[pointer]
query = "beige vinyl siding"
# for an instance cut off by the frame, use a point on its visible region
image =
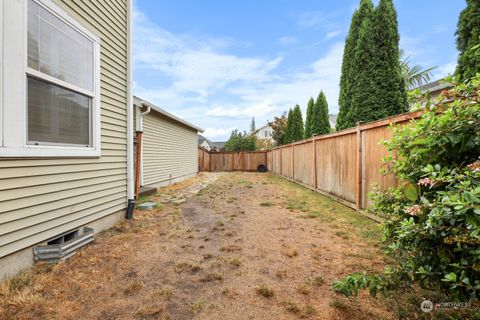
(169, 149)
(42, 198)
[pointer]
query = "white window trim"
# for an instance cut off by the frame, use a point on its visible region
(13, 105)
(1, 73)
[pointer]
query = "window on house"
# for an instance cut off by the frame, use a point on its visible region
(60, 76)
(57, 94)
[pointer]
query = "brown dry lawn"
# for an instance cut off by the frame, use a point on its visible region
(248, 246)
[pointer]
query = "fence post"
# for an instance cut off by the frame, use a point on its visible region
(358, 198)
(209, 162)
(280, 160)
(293, 162)
(315, 184)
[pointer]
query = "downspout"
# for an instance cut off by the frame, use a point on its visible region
(130, 174)
(139, 125)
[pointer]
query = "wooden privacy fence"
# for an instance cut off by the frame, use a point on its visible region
(346, 164)
(230, 161)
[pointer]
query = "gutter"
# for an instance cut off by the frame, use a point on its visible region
(130, 173)
(139, 131)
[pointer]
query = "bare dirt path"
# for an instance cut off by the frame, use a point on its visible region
(224, 246)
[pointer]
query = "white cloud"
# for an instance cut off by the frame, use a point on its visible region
(287, 41)
(198, 79)
(296, 88)
(317, 19)
(258, 110)
(444, 70)
(195, 66)
(333, 34)
(212, 133)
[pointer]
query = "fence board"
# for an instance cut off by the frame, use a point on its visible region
(231, 161)
(336, 163)
(348, 163)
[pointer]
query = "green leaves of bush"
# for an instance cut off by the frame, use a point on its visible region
(432, 228)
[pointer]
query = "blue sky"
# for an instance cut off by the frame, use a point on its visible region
(219, 63)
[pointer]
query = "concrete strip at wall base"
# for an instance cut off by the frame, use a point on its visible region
(22, 260)
(169, 182)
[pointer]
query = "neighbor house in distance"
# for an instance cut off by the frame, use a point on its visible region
(204, 143)
(264, 133)
(435, 88)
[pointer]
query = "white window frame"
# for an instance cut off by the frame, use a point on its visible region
(13, 102)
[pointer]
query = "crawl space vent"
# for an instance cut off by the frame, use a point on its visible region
(63, 247)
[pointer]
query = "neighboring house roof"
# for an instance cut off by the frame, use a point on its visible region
(143, 103)
(435, 86)
(333, 119)
(219, 144)
(202, 139)
(265, 126)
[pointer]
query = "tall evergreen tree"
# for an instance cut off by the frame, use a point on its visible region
(297, 131)
(324, 116)
(321, 123)
(379, 87)
(288, 131)
(365, 11)
(309, 120)
(468, 41)
(252, 125)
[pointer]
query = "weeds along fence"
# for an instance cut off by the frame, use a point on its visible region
(230, 161)
(345, 165)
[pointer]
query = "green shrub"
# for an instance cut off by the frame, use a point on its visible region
(432, 228)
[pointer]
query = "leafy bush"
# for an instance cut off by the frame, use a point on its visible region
(432, 228)
(241, 142)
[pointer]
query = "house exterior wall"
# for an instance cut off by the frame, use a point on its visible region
(265, 133)
(170, 150)
(44, 197)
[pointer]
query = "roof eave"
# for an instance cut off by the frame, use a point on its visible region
(140, 103)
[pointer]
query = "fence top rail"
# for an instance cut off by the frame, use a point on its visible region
(233, 152)
(362, 127)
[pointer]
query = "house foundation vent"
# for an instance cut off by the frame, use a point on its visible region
(63, 247)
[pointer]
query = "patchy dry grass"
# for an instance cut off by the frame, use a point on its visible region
(187, 267)
(275, 252)
(326, 210)
(264, 291)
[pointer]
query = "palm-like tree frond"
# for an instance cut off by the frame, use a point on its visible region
(415, 75)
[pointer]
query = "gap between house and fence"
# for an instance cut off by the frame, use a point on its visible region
(344, 165)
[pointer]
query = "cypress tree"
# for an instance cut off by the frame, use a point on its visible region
(309, 120)
(323, 115)
(321, 119)
(391, 94)
(365, 11)
(379, 88)
(288, 132)
(468, 41)
(252, 125)
(316, 115)
(297, 131)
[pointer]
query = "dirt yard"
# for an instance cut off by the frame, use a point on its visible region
(220, 246)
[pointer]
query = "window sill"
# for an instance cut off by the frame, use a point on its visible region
(49, 152)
